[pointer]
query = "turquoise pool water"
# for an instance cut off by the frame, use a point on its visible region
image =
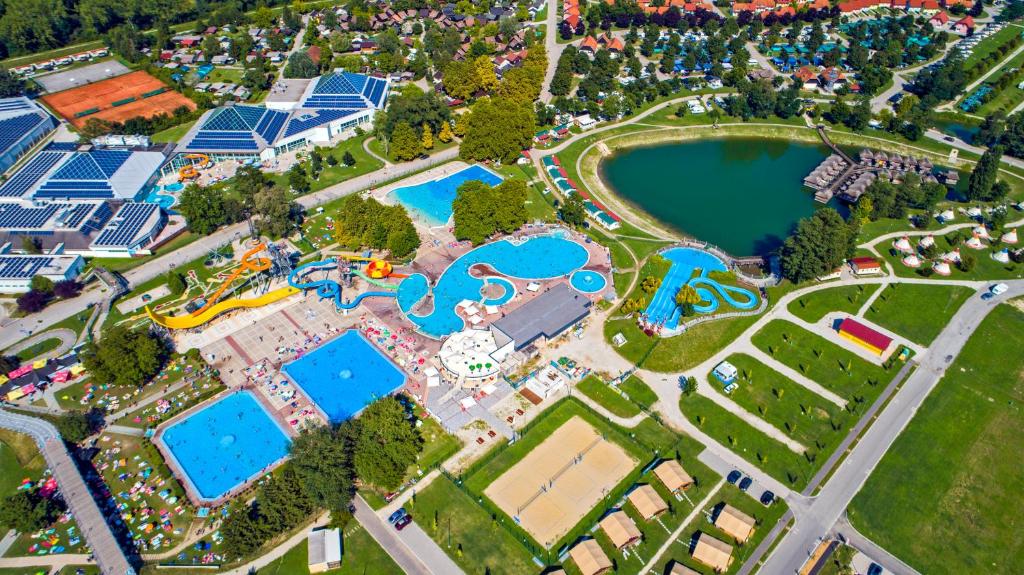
(540, 257)
(175, 187)
(163, 200)
(345, 375)
(506, 296)
(226, 444)
(432, 201)
(588, 281)
(663, 308)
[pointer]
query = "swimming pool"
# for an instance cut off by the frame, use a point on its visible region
(225, 444)
(344, 375)
(506, 295)
(432, 201)
(539, 257)
(663, 308)
(175, 187)
(588, 281)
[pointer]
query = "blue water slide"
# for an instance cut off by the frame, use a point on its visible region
(328, 288)
(748, 299)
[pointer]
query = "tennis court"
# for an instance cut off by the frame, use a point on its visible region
(117, 99)
(560, 480)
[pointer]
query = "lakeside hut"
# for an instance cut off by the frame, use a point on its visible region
(951, 178)
(712, 552)
(1002, 256)
(866, 156)
(942, 268)
(647, 502)
(735, 523)
(1009, 237)
(620, 529)
(589, 558)
(903, 245)
(912, 261)
(925, 164)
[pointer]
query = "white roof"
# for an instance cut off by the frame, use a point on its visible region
(324, 546)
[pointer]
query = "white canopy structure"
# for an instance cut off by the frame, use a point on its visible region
(903, 245)
(927, 241)
(942, 268)
(912, 261)
(975, 243)
(974, 212)
(1010, 237)
(981, 232)
(947, 216)
(1002, 256)
(953, 256)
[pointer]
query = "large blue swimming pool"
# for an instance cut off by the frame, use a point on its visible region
(663, 308)
(540, 257)
(226, 444)
(432, 201)
(345, 375)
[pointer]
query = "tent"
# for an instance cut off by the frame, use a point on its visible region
(980, 232)
(680, 569)
(903, 244)
(975, 243)
(589, 558)
(620, 529)
(712, 552)
(735, 523)
(912, 261)
(947, 216)
(942, 268)
(927, 241)
(647, 502)
(1002, 256)
(672, 475)
(953, 256)
(1010, 237)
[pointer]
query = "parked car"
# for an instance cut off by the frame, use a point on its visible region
(767, 498)
(734, 476)
(398, 515)
(401, 523)
(999, 289)
(745, 483)
(875, 569)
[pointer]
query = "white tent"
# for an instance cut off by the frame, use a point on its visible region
(953, 256)
(912, 261)
(903, 244)
(1010, 237)
(947, 216)
(974, 212)
(975, 243)
(1002, 256)
(981, 232)
(941, 268)
(927, 241)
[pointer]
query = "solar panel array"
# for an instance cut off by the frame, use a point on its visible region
(320, 102)
(126, 225)
(250, 114)
(100, 217)
(17, 217)
(26, 177)
(344, 83)
(205, 140)
(270, 125)
(305, 122)
(13, 104)
(74, 189)
(374, 91)
(22, 267)
(110, 160)
(61, 146)
(14, 129)
(226, 119)
(80, 167)
(74, 216)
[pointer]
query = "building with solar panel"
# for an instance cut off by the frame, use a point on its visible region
(22, 124)
(17, 271)
(328, 109)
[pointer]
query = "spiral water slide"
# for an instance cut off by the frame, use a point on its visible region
(328, 288)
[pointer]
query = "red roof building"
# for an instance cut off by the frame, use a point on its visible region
(964, 26)
(939, 20)
(865, 265)
(864, 336)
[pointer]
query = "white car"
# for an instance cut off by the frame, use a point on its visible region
(999, 289)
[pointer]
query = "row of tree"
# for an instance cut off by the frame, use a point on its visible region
(367, 223)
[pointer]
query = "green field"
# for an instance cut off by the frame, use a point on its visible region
(946, 496)
(361, 555)
(173, 134)
(69, 570)
(915, 311)
(19, 458)
(990, 44)
(838, 370)
(816, 305)
(606, 397)
(679, 353)
(38, 349)
(639, 392)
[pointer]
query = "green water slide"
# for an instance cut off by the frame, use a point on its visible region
(371, 281)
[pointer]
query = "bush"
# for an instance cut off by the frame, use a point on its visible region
(33, 301)
(65, 289)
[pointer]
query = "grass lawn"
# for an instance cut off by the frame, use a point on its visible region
(330, 175)
(360, 555)
(639, 392)
(69, 570)
(985, 267)
(173, 134)
(990, 44)
(607, 397)
(438, 444)
(19, 458)
(841, 371)
(818, 424)
(477, 543)
(953, 476)
(816, 305)
(765, 518)
(700, 342)
(38, 349)
(916, 311)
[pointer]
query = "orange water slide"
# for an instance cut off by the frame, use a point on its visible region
(248, 264)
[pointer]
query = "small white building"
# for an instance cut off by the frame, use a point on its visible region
(17, 271)
(585, 122)
(324, 546)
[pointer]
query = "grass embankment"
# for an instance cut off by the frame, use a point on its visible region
(946, 495)
(816, 305)
(915, 311)
(606, 397)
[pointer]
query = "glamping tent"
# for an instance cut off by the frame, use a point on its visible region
(941, 268)
(589, 558)
(647, 502)
(947, 216)
(1002, 256)
(975, 243)
(620, 529)
(735, 523)
(981, 232)
(672, 476)
(912, 261)
(712, 552)
(1010, 237)
(903, 245)
(927, 241)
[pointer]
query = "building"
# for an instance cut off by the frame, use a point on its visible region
(964, 26)
(17, 271)
(672, 476)
(725, 372)
(22, 124)
(712, 552)
(589, 558)
(647, 502)
(680, 569)
(865, 266)
(735, 523)
(324, 546)
(862, 335)
(472, 358)
(620, 529)
(939, 20)
(544, 317)
(303, 113)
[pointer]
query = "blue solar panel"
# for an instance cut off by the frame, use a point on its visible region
(250, 115)
(110, 160)
(225, 119)
(301, 123)
(26, 177)
(15, 217)
(14, 129)
(344, 83)
(73, 217)
(377, 92)
(80, 167)
(270, 125)
(61, 146)
(126, 225)
(10, 104)
(22, 267)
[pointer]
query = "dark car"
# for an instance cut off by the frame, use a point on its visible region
(734, 476)
(397, 515)
(874, 569)
(949, 138)
(767, 498)
(745, 483)
(987, 296)
(423, 156)
(401, 523)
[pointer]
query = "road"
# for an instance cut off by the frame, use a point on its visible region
(413, 550)
(933, 134)
(17, 329)
(109, 557)
(830, 504)
(553, 48)
(67, 341)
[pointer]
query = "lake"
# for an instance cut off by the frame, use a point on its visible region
(742, 194)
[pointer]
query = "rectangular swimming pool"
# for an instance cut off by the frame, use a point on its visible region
(225, 444)
(344, 375)
(432, 201)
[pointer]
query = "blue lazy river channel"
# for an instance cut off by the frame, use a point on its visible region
(663, 308)
(225, 444)
(538, 258)
(432, 201)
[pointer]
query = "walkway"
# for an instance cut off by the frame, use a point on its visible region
(67, 339)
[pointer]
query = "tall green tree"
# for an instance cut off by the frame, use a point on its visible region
(203, 208)
(10, 85)
(481, 211)
(498, 129)
(983, 177)
(322, 459)
(388, 444)
(300, 65)
(819, 245)
(125, 358)
(405, 144)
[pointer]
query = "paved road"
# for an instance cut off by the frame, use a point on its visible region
(846, 532)
(819, 518)
(553, 48)
(414, 551)
(933, 134)
(109, 556)
(67, 339)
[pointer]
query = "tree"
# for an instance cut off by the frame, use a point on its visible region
(297, 180)
(203, 208)
(300, 65)
(32, 301)
(983, 177)
(41, 284)
(175, 283)
(367, 223)
(486, 79)
(387, 444)
(460, 79)
(404, 143)
(74, 426)
(322, 458)
(428, 138)
(31, 245)
(66, 289)
(480, 211)
(445, 135)
(687, 295)
(126, 358)
(94, 128)
(572, 210)
(820, 244)
(277, 214)
(498, 129)
(347, 158)
(10, 85)
(28, 512)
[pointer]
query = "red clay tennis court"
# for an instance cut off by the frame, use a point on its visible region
(117, 99)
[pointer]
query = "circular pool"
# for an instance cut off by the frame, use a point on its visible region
(588, 281)
(508, 291)
(175, 187)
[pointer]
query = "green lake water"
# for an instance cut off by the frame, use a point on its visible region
(742, 194)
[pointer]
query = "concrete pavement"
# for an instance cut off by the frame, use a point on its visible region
(67, 341)
(411, 548)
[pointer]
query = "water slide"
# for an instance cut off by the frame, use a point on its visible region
(248, 263)
(707, 293)
(373, 282)
(328, 288)
(196, 320)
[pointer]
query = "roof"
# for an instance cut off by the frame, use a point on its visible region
(589, 557)
(712, 552)
(647, 501)
(93, 173)
(129, 226)
(546, 315)
(324, 546)
(18, 118)
(620, 529)
(864, 333)
(672, 475)
(20, 267)
(965, 21)
(865, 263)
(680, 569)
(735, 523)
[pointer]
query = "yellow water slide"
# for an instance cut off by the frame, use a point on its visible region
(196, 320)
